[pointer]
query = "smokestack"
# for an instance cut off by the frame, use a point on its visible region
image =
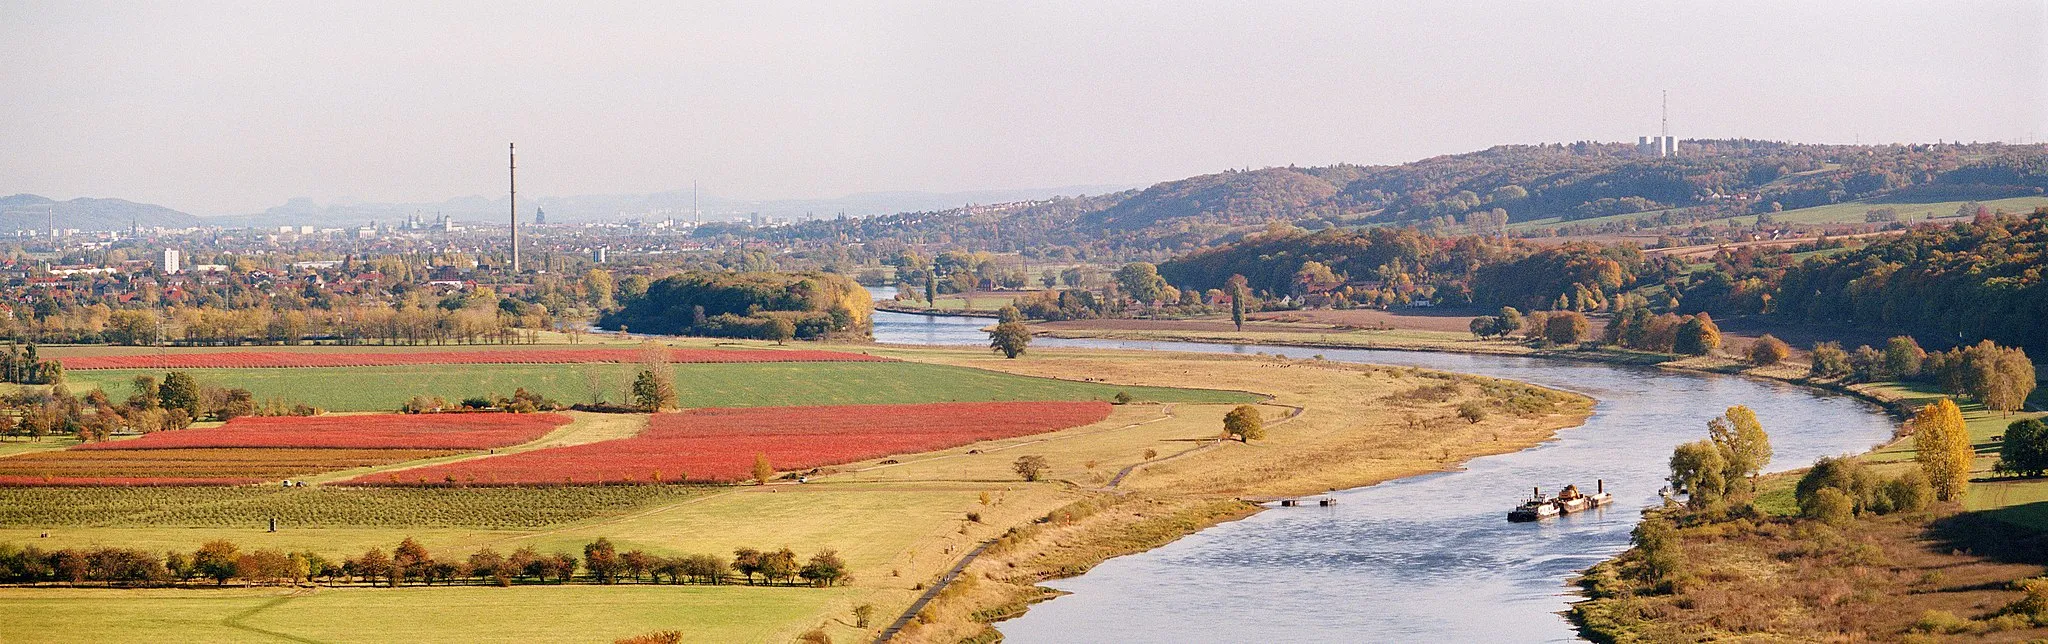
(512, 167)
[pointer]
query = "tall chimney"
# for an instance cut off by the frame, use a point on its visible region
(512, 163)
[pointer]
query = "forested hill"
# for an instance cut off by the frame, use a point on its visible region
(1982, 279)
(31, 212)
(1946, 283)
(1565, 182)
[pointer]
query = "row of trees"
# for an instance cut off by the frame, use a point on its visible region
(477, 317)
(1999, 377)
(221, 561)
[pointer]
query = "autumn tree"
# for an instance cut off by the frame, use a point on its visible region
(653, 390)
(216, 560)
(1240, 289)
(1030, 468)
(601, 559)
(1942, 446)
(1768, 350)
(1745, 447)
(1141, 281)
(148, 395)
(1699, 472)
(1903, 356)
(762, 470)
(181, 391)
(1829, 360)
(780, 565)
(781, 329)
(1564, 327)
(824, 569)
(1010, 336)
(1697, 336)
(1245, 424)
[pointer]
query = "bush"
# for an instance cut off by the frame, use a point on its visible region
(1830, 506)
(1941, 621)
(1768, 350)
(1472, 412)
(1910, 492)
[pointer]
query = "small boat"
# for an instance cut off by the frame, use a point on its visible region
(1539, 507)
(1572, 500)
(1535, 509)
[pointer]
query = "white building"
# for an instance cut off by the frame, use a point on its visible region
(173, 261)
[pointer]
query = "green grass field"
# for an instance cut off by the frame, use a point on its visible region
(699, 385)
(471, 614)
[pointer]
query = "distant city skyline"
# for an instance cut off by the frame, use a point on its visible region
(234, 108)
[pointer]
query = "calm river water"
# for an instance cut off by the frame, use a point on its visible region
(1428, 558)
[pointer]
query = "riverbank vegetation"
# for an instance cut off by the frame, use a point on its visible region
(1920, 540)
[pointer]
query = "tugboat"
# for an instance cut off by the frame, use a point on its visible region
(1539, 507)
(1536, 508)
(1571, 500)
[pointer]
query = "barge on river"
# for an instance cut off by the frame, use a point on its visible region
(1570, 500)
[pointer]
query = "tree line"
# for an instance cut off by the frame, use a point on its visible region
(220, 561)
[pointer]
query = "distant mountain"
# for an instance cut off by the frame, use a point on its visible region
(32, 212)
(582, 208)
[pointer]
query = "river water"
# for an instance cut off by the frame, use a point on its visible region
(1427, 558)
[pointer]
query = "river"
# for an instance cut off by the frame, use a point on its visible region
(1426, 558)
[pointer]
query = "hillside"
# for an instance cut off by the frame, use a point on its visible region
(32, 212)
(1555, 184)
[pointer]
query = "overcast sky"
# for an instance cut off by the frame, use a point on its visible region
(232, 108)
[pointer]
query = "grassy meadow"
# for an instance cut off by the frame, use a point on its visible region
(697, 385)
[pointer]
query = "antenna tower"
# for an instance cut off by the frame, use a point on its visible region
(512, 181)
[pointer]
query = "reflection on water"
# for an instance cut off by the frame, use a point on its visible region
(1430, 557)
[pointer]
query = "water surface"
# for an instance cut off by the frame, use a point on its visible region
(1428, 558)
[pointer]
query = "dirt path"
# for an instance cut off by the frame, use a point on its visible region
(1293, 413)
(584, 427)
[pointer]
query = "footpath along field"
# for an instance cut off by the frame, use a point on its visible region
(719, 444)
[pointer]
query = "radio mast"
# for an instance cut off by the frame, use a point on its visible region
(512, 168)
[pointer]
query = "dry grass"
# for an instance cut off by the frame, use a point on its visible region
(1361, 424)
(1791, 580)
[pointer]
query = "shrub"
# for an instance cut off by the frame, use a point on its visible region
(1910, 492)
(1941, 621)
(1768, 350)
(1830, 506)
(1472, 412)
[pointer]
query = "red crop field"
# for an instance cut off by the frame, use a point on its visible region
(364, 431)
(286, 359)
(719, 444)
(190, 466)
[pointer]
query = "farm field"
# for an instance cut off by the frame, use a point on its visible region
(697, 385)
(706, 614)
(897, 527)
(548, 355)
(191, 466)
(718, 444)
(454, 431)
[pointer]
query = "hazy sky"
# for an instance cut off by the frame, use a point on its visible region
(231, 108)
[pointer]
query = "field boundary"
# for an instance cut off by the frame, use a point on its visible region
(931, 593)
